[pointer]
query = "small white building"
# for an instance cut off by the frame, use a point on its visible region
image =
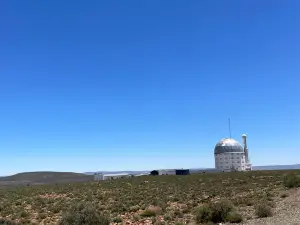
(140, 175)
(101, 176)
(98, 176)
(231, 156)
(167, 172)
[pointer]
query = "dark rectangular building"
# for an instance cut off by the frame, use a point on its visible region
(182, 172)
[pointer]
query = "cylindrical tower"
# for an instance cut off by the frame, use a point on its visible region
(244, 136)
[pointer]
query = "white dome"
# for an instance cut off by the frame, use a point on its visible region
(228, 145)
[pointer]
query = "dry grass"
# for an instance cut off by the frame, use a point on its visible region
(144, 200)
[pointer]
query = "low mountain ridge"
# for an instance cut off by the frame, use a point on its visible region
(277, 167)
(114, 172)
(44, 177)
(50, 177)
(208, 170)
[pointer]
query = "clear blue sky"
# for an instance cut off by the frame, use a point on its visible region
(118, 85)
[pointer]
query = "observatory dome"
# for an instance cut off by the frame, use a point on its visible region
(227, 145)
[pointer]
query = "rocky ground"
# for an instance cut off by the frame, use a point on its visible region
(286, 212)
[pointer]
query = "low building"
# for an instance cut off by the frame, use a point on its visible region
(139, 175)
(154, 173)
(98, 176)
(182, 172)
(167, 172)
(101, 176)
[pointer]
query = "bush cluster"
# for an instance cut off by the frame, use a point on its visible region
(148, 213)
(291, 181)
(7, 222)
(222, 211)
(263, 210)
(83, 213)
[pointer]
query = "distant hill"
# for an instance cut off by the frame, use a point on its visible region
(48, 177)
(270, 167)
(112, 172)
(277, 167)
(209, 170)
(44, 177)
(144, 171)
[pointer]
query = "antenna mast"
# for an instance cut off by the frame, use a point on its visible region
(229, 128)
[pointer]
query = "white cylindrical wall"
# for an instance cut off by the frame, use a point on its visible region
(227, 161)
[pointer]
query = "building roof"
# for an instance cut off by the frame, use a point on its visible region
(142, 174)
(227, 145)
(116, 174)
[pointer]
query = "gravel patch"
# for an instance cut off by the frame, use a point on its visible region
(286, 212)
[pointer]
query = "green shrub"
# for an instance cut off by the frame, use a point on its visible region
(83, 213)
(234, 217)
(167, 217)
(218, 212)
(136, 217)
(291, 181)
(23, 214)
(203, 214)
(263, 210)
(7, 222)
(118, 220)
(148, 213)
(134, 208)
